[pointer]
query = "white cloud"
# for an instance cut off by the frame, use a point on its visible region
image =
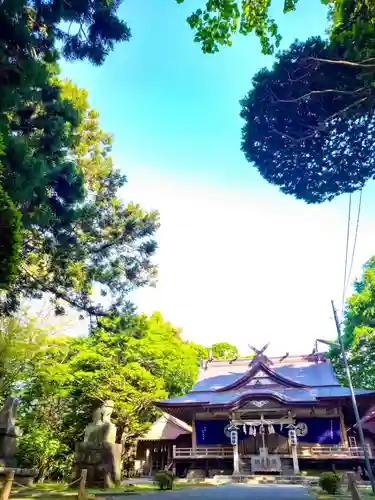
(246, 267)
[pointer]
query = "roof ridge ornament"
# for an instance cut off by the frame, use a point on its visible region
(259, 356)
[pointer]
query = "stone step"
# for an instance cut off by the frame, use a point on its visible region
(265, 479)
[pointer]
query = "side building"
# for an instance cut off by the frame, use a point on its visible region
(268, 415)
(155, 448)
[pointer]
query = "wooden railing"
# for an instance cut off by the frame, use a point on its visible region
(303, 452)
(210, 452)
(333, 451)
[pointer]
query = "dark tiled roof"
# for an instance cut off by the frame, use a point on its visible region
(298, 379)
(220, 374)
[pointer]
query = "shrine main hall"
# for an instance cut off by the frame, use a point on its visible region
(267, 415)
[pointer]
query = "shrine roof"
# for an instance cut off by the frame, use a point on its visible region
(303, 370)
(286, 395)
(290, 380)
(166, 427)
(228, 397)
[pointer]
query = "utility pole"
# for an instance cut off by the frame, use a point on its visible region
(354, 401)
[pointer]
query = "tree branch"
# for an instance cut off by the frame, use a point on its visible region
(343, 62)
(48, 288)
(110, 244)
(318, 92)
(352, 105)
(319, 127)
(291, 138)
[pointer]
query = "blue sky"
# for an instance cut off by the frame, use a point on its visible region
(238, 260)
(174, 108)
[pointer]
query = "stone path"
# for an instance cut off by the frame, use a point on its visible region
(234, 492)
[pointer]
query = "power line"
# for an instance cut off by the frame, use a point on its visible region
(355, 240)
(346, 253)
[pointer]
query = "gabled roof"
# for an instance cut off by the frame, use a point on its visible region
(297, 371)
(292, 380)
(168, 428)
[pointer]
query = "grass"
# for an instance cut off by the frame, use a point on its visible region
(341, 495)
(48, 491)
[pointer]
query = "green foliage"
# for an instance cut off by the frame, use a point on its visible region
(20, 342)
(215, 25)
(164, 480)
(40, 181)
(10, 240)
(202, 352)
(60, 380)
(219, 20)
(330, 482)
(224, 350)
(358, 332)
(41, 449)
(99, 240)
(308, 123)
(309, 120)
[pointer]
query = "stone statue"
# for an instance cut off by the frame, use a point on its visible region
(101, 429)
(91, 431)
(99, 453)
(8, 418)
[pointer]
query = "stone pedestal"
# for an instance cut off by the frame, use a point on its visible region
(99, 453)
(9, 433)
(8, 450)
(102, 461)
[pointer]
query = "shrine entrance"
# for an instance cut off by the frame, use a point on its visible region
(251, 445)
(260, 451)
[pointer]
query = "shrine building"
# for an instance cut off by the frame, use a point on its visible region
(268, 415)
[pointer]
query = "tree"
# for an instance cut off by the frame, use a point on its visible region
(39, 183)
(224, 350)
(358, 332)
(42, 449)
(10, 240)
(219, 20)
(202, 352)
(308, 122)
(98, 240)
(133, 360)
(157, 346)
(20, 342)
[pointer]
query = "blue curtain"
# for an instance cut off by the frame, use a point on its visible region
(311, 430)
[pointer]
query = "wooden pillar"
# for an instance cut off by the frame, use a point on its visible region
(344, 435)
(236, 455)
(353, 486)
(236, 459)
(9, 477)
(82, 485)
(151, 462)
(193, 437)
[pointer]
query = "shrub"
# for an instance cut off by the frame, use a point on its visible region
(41, 449)
(164, 480)
(10, 239)
(330, 482)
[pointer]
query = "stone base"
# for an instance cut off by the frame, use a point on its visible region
(102, 461)
(8, 451)
(21, 476)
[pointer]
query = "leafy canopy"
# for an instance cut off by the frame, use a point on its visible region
(359, 332)
(218, 21)
(101, 240)
(309, 125)
(60, 380)
(224, 350)
(40, 185)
